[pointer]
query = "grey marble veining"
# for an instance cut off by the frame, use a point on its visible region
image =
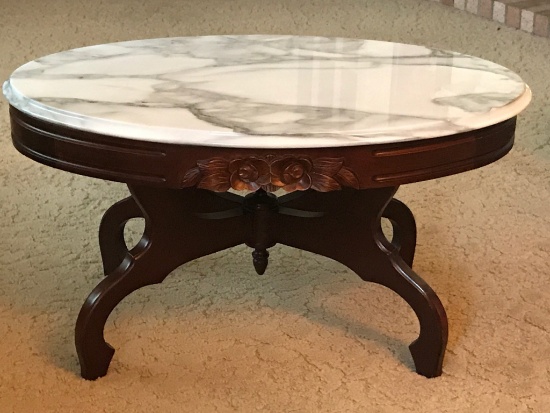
(267, 91)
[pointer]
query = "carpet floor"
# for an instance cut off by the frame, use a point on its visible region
(309, 336)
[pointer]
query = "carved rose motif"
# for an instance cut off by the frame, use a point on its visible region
(249, 174)
(291, 173)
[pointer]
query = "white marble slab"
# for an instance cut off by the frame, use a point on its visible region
(267, 91)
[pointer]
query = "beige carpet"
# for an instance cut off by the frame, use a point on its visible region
(309, 336)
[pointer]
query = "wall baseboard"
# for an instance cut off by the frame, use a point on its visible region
(532, 16)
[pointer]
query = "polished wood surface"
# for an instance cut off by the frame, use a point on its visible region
(182, 225)
(337, 198)
(168, 165)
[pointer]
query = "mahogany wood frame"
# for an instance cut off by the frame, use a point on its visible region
(184, 222)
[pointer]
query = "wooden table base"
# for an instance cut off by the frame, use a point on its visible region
(184, 224)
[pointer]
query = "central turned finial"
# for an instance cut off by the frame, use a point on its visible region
(260, 207)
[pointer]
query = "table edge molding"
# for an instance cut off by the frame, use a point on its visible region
(172, 166)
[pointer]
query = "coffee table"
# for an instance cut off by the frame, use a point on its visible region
(337, 124)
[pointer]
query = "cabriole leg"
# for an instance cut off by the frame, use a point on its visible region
(350, 232)
(174, 234)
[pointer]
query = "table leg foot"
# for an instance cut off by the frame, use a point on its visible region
(174, 234)
(350, 232)
(100, 365)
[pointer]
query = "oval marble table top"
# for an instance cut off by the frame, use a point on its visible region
(267, 91)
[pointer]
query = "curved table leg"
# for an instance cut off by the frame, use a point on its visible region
(111, 232)
(350, 232)
(93, 352)
(393, 272)
(173, 235)
(404, 229)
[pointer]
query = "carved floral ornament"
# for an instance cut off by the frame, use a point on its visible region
(271, 173)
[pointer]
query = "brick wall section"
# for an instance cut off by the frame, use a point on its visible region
(532, 16)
